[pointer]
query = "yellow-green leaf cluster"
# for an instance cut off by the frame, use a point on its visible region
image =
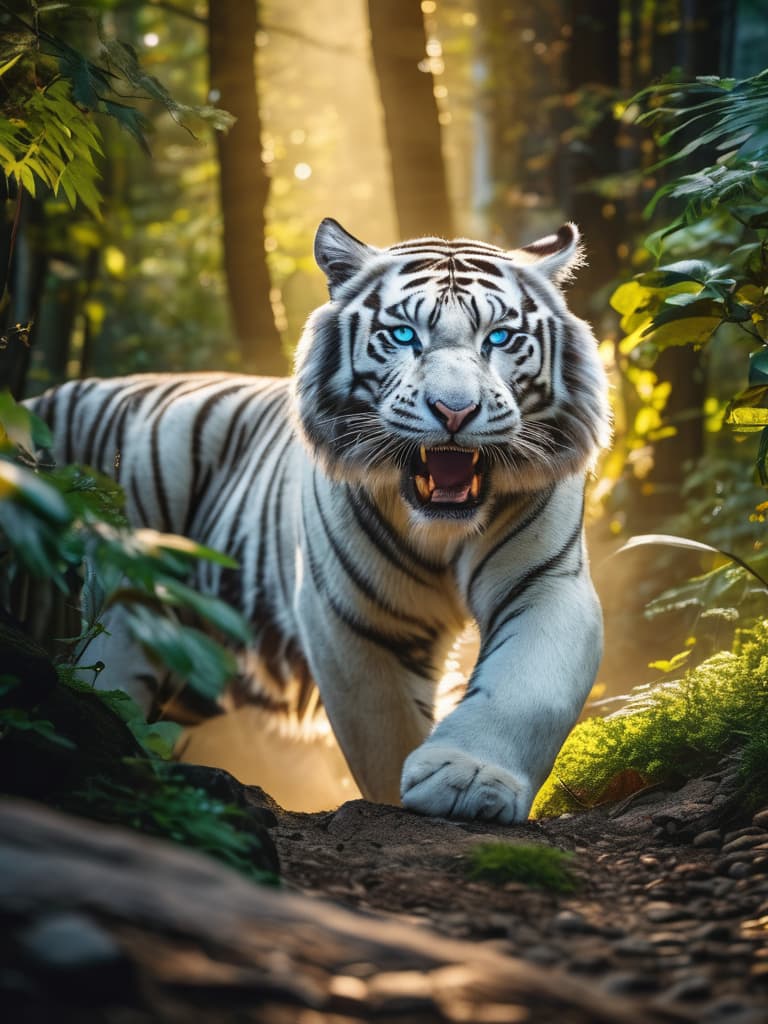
(52, 142)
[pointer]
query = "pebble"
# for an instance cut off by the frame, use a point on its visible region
(694, 986)
(750, 830)
(629, 983)
(711, 837)
(744, 842)
(593, 961)
(739, 869)
(661, 912)
(648, 860)
(713, 931)
(573, 921)
(543, 955)
(65, 942)
(634, 947)
(760, 820)
(666, 939)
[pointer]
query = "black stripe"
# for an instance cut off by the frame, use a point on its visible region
(354, 573)
(162, 403)
(271, 518)
(485, 267)
(232, 472)
(143, 517)
(542, 500)
(413, 652)
(196, 486)
(234, 422)
(502, 615)
(383, 539)
(285, 589)
(79, 422)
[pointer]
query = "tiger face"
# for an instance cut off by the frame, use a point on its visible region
(451, 371)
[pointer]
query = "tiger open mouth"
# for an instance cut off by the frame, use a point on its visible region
(447, 478)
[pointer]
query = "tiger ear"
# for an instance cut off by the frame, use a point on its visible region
(338, 254)
(557, 256)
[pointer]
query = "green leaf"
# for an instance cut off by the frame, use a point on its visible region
(23, 721)
(214, 611)
(672, 273)
(758, 367)
(26, 487)
(190, 654)
(154, 540)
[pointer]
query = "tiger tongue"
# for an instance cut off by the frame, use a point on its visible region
(450, 469)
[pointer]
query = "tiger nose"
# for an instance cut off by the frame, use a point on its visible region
(453, 419)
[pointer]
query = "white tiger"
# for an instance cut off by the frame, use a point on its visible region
(425, 466)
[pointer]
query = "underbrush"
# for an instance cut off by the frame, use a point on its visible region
(670, 732)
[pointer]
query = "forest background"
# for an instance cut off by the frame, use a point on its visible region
(172, 237)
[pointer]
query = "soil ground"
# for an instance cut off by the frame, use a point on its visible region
(668, 921)
(667, 909)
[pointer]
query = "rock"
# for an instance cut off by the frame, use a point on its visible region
(73, 957)
(573, 921)
(744, 842)
(739, 869)
(760, 820)
(694, 986)
(710, 837)
(629, 983)
(634, 946)
(64, 942)
(661, 912)
(713, 931)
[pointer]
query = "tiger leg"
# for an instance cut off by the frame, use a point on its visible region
(378, 710)
(488, 758)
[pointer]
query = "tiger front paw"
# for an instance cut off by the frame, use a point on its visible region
(446, 782)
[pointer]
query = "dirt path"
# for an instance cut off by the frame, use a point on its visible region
(668, 922)
(670, 914)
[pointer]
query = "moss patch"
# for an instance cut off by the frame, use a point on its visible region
(670, 732)
(532, 864)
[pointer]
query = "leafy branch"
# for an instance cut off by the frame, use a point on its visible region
(685, 301)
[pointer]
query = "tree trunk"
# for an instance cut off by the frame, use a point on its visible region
(398, 42)
(22, 269)
(700, 47)
(244, 186)
(593, 64)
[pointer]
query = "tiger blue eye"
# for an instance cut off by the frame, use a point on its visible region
(403, 335)
(499, 336)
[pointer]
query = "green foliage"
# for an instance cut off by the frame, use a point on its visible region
(66, 525)
(712, 273)
(667, 732)
(47, 132)
(163, 804)
(22, 719)
(90, 751)
(157, 739)
(543, 866)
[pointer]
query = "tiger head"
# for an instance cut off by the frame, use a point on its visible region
(451, 371)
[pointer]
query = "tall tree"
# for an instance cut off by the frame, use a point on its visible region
(398, 42)
(700, 46)
(244, 185)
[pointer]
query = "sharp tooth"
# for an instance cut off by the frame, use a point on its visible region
(475, 457)
(422, 486)
(423, 454)
(431, 484)
(475, 486)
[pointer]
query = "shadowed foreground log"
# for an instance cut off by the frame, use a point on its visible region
(101, 924)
